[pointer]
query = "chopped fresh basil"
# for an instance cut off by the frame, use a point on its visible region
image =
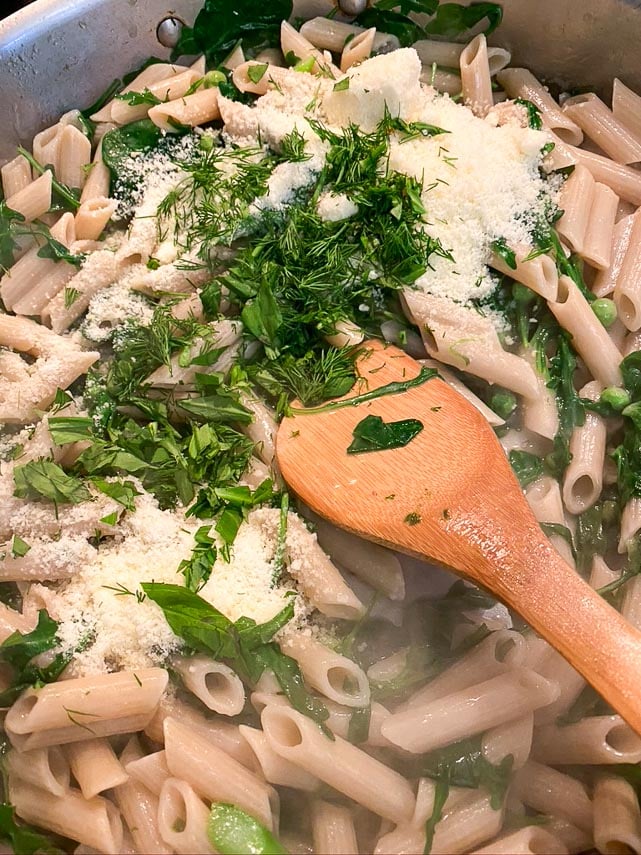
(527, 467)
(43, 479)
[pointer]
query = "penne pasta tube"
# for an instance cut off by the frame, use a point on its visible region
(557, 670)
(525, 841)
(95, 766)
(214, 774)
(597, 244)
(95, 822)
(333, 829)
(34, 199)
(625, 108)
(511, 739)
(12, 621)
(448, 54)
(92, 216)
(104, 703)
(574, 839)
(624, 180)
(258, 77)
(169, 88)
(15, 175)
(139, 808)
(576, 201)
(549, 791)
(182, 818)
(343, 766)
(460, 337)
(151, 771)
(149, 76)
(213, 683)
(583, 478)
(606, 279)
(333, 35)
(191, 110)
(274, 768)
(374, 564)
(540, 414)
(521, 83)
(469, 711)
(627, 290)
(45, 146)
(45, 768)
(476, 80)
(598, 739)
(294, 42)
(332, 674)
(537, 273)
(263, 428)
(631, 605)
(318, 578)
(630, 522)
(617, 819)
(98, 181)
(589, 336)
(73, 157)
(601, 125)
(501, 651)
(544, 498)
(358, 49)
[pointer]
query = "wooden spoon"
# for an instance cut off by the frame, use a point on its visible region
(450, 497)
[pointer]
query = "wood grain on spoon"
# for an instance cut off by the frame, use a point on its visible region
(450, 496)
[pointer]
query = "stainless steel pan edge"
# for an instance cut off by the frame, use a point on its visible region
(59, 54)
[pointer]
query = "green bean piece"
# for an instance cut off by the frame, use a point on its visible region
(231, 831)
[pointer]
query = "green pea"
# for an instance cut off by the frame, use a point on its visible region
(503, 404)
(231, 831)
(605, 310)
(616, 397)
(213, 78)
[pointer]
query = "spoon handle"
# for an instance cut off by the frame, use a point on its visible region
(594, 638)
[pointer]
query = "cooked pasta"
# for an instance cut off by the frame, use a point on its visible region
(187, 652)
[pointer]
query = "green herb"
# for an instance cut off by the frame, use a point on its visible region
(61, 400)
(527, 467)
(138, 99)
(44, 479)
(110, 519)
(197, 569)
(19, 547)
(313, 378)
(257, 72)
(342, 85)
(373, 434)
(53, 249)
(595, 532)
(588, 703)
(384, 16)
(66, 429)
(396, 387)
(441, 792)
(631, 569)
(508, 255)
(631, 373)
(22, 838)
(18, 651)
(217, 408)
(412, 518)
(71, 295)
(230, 830)
(558, 530)
(413, 130)
(219, 28)
(122, 492)
(614, 398)
(533, 113)
(248, 647)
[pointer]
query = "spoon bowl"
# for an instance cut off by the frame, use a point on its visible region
(449, 496)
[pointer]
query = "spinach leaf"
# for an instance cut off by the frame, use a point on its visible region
(441, 793)
(23, 838)
(137, 99)
(386, 20)
(533, 113)
(527, 467)
(358, 730)
(247, 646)
(217, 408)
(220, 26)
(65, 429)
(19, 649)
(262, 316)
(55, 250)
(119, 143)
(453, 19)
(631, 372)
(44, 479)
(8, 237)
(373, 434)
(122, 492)
(462, 764)
(596, 530)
